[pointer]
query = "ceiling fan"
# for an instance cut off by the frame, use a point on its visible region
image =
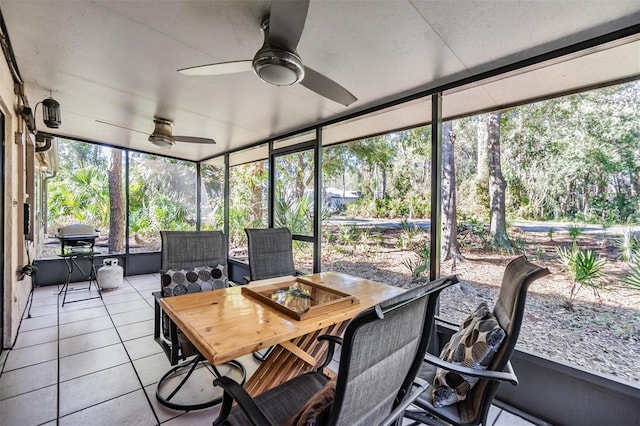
(162, 135)
(277, 61)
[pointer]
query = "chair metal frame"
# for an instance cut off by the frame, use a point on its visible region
(509, 311)
(428, 294)
(204, 242)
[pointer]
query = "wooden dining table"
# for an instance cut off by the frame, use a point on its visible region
(226, 324)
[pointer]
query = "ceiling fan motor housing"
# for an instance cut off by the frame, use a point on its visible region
(161, 135)
(278, 66)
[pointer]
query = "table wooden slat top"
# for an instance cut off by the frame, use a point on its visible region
(225, 324)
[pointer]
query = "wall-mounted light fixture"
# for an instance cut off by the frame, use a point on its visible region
(51, 113)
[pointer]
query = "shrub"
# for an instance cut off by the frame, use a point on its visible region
(632, 276)
(583, 267)
(575, 231)
(627, 245)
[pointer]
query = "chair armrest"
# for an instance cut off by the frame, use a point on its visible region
(419, 386)
(234, 392)
(333, 341)
(502, 376)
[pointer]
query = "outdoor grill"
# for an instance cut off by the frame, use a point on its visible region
(77, 236)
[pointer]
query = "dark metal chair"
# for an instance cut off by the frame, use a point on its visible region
(181, 251)
(381, 353)
(270, 253)
(509, 311)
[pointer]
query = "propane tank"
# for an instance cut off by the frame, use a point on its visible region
(110, 274)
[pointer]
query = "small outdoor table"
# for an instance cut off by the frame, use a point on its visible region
(225, 324)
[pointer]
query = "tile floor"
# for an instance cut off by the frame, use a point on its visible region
(95, 362)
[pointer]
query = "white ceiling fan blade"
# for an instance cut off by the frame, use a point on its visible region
(326, 87)
(194, 139)
(121, 126)
(218, 69)
(286, 22)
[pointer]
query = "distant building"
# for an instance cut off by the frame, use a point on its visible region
(335, 200)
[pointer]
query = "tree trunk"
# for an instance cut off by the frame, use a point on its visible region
(255, 186)
(449, 247)
(300, 181)
(116, 203)
(497, 184)
(482, 163)
(384, 183)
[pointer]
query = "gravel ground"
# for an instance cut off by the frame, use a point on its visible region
(601, 334)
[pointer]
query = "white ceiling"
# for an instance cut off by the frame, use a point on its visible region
(116, 61)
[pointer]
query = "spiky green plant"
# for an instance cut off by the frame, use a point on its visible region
(583, 267)
(632, 276)
(550, 234)
(421, 263)
(575, 231)
(627, 245)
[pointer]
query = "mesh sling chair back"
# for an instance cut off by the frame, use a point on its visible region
(191, 261)
(382, 350)
(270, 253)
(509, 312)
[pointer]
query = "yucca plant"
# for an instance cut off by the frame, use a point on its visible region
(423, 262)
(632, 276)
(583, 267)
(628, 244)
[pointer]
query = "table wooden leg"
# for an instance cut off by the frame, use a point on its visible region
(285, 362)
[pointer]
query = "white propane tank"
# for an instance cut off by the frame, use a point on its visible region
(110, 274)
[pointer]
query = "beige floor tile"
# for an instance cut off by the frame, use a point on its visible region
(82, 304)
(36, 337)
(31, 355)
(163, 413)
(507, 419)
(27, 379)
(118, 308)
(129, 409)
(104, 385)
(136, 280)
(29, 409)
(131, 296)
(133, 316)
(41, 311)
(198, 388)
(87, 342)
(28, 324)
(494, 412)
(124, 289)
(151, 368)
(136, 330)
(82, 315)
(91, 361)
(142, 347)
(83, 327)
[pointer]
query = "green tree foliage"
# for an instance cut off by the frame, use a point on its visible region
(576, 157)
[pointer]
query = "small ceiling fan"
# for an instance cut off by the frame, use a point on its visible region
(162, 135)
(277, 61)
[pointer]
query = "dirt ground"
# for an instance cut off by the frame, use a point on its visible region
(601, 334)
